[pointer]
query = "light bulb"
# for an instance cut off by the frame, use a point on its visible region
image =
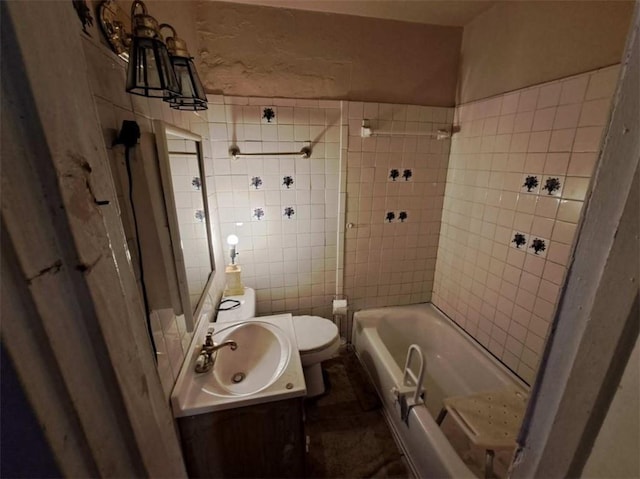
(232, 241)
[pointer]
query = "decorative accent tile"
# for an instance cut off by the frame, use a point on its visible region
(390, 217)
(268, 114)
(196, 183)
(394, 174)
(199, 215)
(287, 181)
(538, 246)
(552, 185)
(530, 184)
(256, 182)
(289, 212)
(519, 240)
(407, 174)
(257, 214)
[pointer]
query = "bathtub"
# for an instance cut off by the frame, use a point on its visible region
(456, 365)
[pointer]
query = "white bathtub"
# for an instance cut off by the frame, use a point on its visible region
(456, 365)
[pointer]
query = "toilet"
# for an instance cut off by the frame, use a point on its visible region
(317, 338)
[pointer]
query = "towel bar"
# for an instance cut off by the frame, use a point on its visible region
(305, 152)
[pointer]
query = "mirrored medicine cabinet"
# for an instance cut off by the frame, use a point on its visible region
(185, 197)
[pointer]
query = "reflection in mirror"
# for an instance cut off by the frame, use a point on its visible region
(183, 182)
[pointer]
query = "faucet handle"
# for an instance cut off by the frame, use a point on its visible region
(208, 341)
(201, 362)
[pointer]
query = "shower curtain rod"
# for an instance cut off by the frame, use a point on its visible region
(305, 152)
(367, 132)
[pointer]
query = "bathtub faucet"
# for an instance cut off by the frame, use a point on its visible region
(208, 352)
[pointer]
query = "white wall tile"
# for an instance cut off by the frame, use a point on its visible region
(569, 211)
(567, 116)
(502, 296)
(602, 83)
(574, 89)
(588, 138)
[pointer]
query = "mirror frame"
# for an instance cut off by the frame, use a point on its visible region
(161, 130)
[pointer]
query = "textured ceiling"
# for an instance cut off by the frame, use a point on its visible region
(434, 12)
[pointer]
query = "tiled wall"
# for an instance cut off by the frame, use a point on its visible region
(284, 209)
(107, 78)
(511, 152)
(395, 188)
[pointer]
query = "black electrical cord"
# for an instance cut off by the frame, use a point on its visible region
(129, 138)
(235, 304)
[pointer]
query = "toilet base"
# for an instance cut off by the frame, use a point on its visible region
(314, 380)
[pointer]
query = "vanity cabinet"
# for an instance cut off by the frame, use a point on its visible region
(262, 440)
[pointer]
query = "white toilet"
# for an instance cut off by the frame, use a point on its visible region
(317, 338)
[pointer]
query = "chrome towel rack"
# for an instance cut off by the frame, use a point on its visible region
(305, 152)
(367, 131)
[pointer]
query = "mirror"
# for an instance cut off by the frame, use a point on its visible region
(185, 195)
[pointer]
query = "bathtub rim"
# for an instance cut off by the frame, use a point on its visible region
(450, 322)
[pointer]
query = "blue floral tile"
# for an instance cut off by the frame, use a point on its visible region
(289, 212)
(257, 214)
(268, 115)
(287, 182)
(519, 240)
(538, 246)
(530, 183)
(551, 185)
(256, 182)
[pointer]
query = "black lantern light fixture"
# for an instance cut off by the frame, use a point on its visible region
(191, 95)
(150, 72)
(156, 69)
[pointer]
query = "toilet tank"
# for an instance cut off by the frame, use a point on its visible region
(245, 310)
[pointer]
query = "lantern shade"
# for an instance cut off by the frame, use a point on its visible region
(150, 72)
(192, 95)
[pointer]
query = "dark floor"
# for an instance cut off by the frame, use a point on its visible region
(348, 435)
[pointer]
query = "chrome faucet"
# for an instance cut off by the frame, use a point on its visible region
(208, 352)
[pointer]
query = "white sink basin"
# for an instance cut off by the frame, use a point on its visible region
(265, 366)
(262, 355)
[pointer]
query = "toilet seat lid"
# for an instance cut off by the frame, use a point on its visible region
(314, 332)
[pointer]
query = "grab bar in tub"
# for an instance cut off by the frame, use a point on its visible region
(401, 396)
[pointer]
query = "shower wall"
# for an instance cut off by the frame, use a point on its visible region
(519, 174)
(395, 189)
(284, 209)
(389, 190)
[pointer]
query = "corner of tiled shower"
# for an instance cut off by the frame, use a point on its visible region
(395, 190)
(520, 165)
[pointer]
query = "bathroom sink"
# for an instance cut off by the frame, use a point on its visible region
(264, 367)
(261, 357)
